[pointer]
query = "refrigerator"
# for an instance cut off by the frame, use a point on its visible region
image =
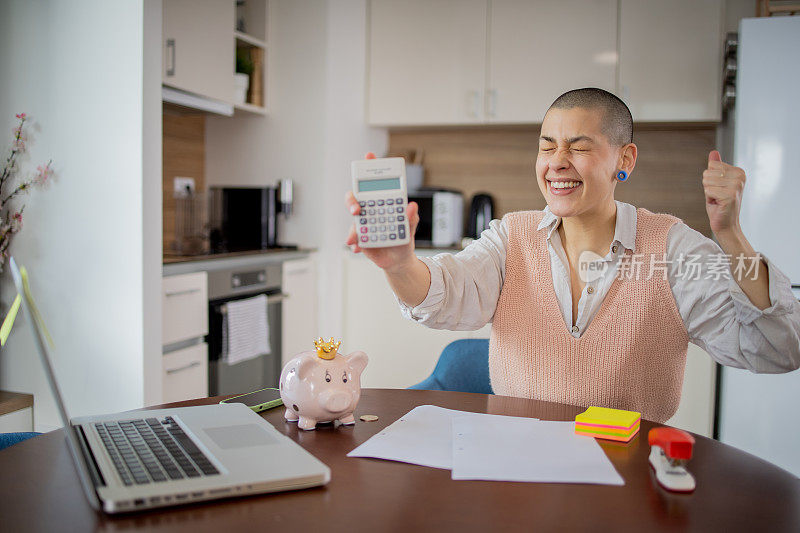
(760, 413)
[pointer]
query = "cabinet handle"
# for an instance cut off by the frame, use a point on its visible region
(473, 101)
(272, 299)
(275, 298)
(491, 103)
(171, 57)
(182, 368)
(170, 294)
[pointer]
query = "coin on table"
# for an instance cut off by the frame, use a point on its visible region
(369, 418)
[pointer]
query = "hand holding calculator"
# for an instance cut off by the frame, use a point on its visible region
(379, 187)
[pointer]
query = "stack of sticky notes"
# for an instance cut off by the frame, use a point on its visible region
(611, 424)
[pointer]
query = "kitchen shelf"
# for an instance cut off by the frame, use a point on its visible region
(250, 108)
(249, 40)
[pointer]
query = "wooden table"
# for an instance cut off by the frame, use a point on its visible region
(736, 491)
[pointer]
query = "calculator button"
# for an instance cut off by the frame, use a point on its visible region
(371, 203)
(401, 231)
(372, 220)
(390, 210)
(399, 209)
(363, 220)
(381, 211)
(364, 238)
(381, 219)
(371, 211)
(383, 228)
(363, 229)
(392, 236)
(380, 202)
(389, 202)
(399, 201)
(373, 238)
(391, 219)
(401, 218)
(373, 229)
(383, 237)
(392, 227)
(362, 204)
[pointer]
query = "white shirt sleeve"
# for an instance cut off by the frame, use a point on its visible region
(719, 316)
(465, 286)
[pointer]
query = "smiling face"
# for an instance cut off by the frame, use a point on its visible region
(577, 164)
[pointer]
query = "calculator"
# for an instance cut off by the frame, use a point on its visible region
(379, 185)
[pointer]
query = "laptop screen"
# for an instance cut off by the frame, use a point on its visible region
(41, 339)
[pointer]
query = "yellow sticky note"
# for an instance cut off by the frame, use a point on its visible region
(37, 316)
(8, 323)
(603, 416)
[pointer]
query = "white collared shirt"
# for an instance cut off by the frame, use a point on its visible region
(718, 316)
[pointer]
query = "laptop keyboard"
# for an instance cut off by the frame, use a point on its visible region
(151, 450)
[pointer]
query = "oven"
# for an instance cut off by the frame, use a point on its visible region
(234, 284)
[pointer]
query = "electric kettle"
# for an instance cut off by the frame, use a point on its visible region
(481, 212)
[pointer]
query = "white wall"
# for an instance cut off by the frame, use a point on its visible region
(347, 138)
(77, 69)
(315, 127)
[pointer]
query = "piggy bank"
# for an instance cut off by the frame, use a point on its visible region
(322, 385)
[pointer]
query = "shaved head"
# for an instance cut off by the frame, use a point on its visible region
(617, 120)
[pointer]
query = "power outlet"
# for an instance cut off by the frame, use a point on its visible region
(183, 187)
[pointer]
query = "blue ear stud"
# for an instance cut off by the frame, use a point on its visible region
(622, 175)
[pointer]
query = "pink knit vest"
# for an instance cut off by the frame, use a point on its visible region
(632, 354)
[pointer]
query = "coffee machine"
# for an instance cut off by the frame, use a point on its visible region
(246, 218)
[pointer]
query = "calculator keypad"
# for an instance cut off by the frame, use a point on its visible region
(381, 221)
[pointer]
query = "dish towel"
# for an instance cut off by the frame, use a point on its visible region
(245, 329)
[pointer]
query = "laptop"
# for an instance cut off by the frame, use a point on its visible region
(162, 457)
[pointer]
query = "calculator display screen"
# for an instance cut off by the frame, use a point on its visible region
(384, 184)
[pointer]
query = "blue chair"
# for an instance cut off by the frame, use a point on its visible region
(9, 439)
(462, 367)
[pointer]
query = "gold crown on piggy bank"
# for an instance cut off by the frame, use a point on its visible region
(326, 349)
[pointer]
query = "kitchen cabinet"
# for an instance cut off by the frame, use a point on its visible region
(184, 307)
(185, 374)
(670, 59)
(426, 61)
(184, 323)
(539, 49)
(454, 62)
(696, 411)
(299, 310)
(401, 352)
(198, 47)
(16, 412)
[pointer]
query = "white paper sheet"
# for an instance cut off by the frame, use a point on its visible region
(423, 436)
(523, 449)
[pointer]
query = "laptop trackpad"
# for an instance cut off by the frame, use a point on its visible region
(241, 436)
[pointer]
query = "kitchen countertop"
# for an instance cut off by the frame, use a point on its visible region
(181, 264)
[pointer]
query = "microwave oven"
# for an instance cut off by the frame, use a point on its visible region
(441, 218)
(243, 218)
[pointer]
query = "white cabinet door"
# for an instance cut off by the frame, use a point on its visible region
(540, 49)
(185, 374)
(199, 47)
(696, 411)
(184, 307)
(670, 63)
(299, 310)
(401, 353)
(426, 61)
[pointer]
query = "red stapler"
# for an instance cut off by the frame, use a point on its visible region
(670, 450)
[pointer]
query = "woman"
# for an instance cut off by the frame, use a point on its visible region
(592, 301)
